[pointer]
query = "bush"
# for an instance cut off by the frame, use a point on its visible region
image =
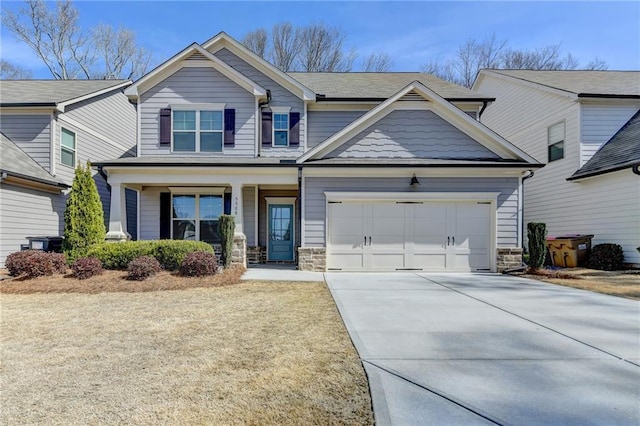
(606, 257)
(198, 264)
(170, 253)
(83, 216)
(142, 268)
(226, 228)
(537, 234)
(35, 263)
(86, 267)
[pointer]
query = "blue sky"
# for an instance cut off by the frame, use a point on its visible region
(410, 32)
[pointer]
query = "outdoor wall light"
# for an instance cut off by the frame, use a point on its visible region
(414, 181)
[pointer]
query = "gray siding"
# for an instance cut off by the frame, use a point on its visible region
(150, 212)
(27, 213)
(599, 124)
(197, 85)
(323, 124)
(279, 97)
(315, 200)
(32, 133)
(249, 212)
(412, 134)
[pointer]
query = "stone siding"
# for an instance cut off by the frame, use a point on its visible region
(256, 255)
(239, 255)
(312, 259)
(507, 258)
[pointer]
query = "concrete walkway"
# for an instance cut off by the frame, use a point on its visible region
(489, 349)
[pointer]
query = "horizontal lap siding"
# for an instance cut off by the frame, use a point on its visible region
(323, 124)
(198, 85)
(32, 133)
(412, 134)
(599, 124)
(249, 210)
(315, 200)
(280, 97)
(150, 212)
(27, 213)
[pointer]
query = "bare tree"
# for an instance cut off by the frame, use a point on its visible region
(596, 64)
(257, 42)
(9, 71)
(286, 42)
(321, 50)
(70, 52)
(377, 62)
(473, 55)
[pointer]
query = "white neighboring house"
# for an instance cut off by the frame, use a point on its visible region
(47, 127)
(585, 126)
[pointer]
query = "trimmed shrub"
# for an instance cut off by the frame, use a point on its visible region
(83, 216)
(606, 257)
(226, 228)
(86, 267)
(170, 253)
(142, 268)
(198, 264)
(537, 235)
(35, 263)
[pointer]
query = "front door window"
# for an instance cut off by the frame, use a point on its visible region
(281, 232)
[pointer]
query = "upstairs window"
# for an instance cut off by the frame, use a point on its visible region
(555, 136)
(197, 130)
(281, 129)
(68, 147)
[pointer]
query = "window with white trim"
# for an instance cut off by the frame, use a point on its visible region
(281, 129)
(197, 129)
(195, 217)
(67, 147)
(555, 137)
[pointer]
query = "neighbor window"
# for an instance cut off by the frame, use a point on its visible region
(195, 217)
(280, 129)
(556, 142)
(68, 148)
(197, 130)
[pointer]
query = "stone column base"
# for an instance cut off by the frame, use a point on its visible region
(239, 255)
(312, 259)
(508, 257)
(256, 255)
(116, 237)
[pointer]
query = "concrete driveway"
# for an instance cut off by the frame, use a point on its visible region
(488, 349)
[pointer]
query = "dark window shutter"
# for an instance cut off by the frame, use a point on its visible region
(165, 126)
(267, 124)
(165, 215)
(294, 128)
(227, 203)
(229, 127)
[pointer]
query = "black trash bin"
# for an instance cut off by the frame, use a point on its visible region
(46, 243)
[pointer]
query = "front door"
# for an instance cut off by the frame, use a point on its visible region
(281, 236)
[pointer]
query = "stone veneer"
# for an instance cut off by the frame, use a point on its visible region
(256, 255)
(239, 254)
(508, 257)
(312, 259)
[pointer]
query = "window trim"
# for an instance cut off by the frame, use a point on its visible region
(197, 108)
(73, 150)
(197, 192)
(281, 111)
(549, 144)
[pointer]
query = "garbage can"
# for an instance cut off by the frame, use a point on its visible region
(569, 251)
(46, 243)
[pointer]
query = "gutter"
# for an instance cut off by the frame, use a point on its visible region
(633, 166)
(5, 174)
(607, 96)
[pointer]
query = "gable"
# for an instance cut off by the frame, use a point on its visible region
(412, 134)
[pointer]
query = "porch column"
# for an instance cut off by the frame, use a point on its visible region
(237, 207)
(118, 214)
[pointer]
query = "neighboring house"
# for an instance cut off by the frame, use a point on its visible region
(333, 171)
(48, 127)
(584, 126)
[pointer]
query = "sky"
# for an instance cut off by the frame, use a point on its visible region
(411, 33)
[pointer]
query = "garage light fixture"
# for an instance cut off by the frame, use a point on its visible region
(414, 181)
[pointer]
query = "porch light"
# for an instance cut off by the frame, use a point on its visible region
(414, 181)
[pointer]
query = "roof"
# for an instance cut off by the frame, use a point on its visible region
(620, 152)
(51, 92)
(582, 83)
(16, 162)
(378, 85)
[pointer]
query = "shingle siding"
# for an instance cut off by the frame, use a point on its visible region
(31, 133)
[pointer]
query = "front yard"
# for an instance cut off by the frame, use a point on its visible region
(251, 353)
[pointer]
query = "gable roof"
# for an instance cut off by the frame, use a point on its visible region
(478, 131)
(624, 84)
(620, 152)
(16, 162)
(53, 93)
(378, 85)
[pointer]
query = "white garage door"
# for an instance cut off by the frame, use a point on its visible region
(390, 236)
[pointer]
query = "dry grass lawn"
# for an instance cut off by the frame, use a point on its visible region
(615, 283)
(253, 353)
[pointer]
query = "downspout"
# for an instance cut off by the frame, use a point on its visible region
(484, 106)
(636, 169)
(299, 216)
(521, 219)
